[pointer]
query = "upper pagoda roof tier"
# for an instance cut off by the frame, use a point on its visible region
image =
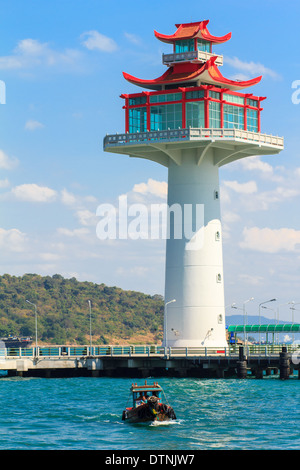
(191, 31)
(188, 73)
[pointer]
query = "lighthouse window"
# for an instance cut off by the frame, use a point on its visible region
(252, 103)
(252, 123)
(168, 116)
(165, 97)
(233, 117)
(137, 119)
(184, 46)
(233, 98)
(203, 45)
(214, 94)
(137, 100)
(195, 114)
(194, 94)
(214, 114)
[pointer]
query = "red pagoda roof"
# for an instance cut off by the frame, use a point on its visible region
(190, 72)
(191, 31)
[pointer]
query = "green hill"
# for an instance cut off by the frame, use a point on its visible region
(118, 316)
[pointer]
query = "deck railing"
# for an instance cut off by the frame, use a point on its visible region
(191, 134)
(196, 56)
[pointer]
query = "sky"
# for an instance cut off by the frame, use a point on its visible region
(61, 62)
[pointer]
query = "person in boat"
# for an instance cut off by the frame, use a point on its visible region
(140, 400)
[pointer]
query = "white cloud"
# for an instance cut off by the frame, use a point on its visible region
(4, 183)
(264, 169)
(269, 240)
(6, 162)
(87, 217)
(34, 193)
(251, 280)
(77, 232)
(244, 188)
(12, 240)
(133, 38)
(31, 52)
(32, 125)
(157, 188)
(263, 200)
(251, 68)
(68, 198)
(97, 41)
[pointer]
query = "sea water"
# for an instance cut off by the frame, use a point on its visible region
(212, 414)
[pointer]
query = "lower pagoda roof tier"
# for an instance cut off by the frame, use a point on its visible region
(191, 31)
(192, 74)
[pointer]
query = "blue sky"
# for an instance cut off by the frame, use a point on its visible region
(62, 63)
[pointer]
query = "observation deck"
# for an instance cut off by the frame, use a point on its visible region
(191, 56)
(228, 144)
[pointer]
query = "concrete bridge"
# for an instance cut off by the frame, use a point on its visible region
(142, 361)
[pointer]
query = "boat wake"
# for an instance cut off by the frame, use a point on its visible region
(165, 423)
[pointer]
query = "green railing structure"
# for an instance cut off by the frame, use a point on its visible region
(266, 328)
(142, 350)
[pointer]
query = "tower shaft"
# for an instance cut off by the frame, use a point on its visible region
(194, 263)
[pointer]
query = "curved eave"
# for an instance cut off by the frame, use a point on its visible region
(194, 30)
(206, 73)
(212, 75)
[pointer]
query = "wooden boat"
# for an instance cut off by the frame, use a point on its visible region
(147, 405)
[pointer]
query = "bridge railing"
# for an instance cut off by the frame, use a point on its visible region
(140, 350)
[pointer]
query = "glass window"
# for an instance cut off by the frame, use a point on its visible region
(252, 121)
(185, 45)
(233, 117)
(233, 98)
(137, 100)
(195, 114)
(194, 94)
(214, 115)
(214, 94)
(203, 45)
(165, 97)
(168, 116)
(252, 103)
(137, 119)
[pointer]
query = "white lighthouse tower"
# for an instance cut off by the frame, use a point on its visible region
(193, 121)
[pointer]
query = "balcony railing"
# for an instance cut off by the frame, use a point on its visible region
(194, 56)
(193, 134)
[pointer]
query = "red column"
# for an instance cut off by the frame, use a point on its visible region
(258, 118)
(245, 114)
(206, 109)
(221, 110)
(148, 113)
(126, 115)
(183, 110)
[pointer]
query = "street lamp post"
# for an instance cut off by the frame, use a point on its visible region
(293, 309)
(165, 322)
(245, 316)
(90, 308)
(259, 310)
(35, 310)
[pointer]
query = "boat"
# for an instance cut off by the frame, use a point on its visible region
(147, 405)
(16, 342)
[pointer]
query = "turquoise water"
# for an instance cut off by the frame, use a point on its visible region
(85, 414)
